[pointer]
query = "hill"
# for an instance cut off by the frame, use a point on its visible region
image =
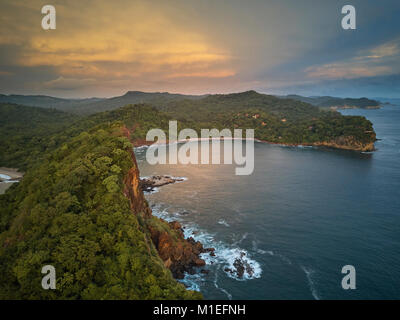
(79, 206)
(157, 99)
(335, 102)
(48, 101)
(81, 210)
(26, 132)
(94, 105)
(276, 120)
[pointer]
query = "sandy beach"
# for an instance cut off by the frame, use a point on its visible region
(10, 174)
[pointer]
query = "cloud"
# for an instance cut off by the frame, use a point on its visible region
(385, 50)
(62, 83)
(377, 61)
(104, 48)
(346, 70)
(122, 40)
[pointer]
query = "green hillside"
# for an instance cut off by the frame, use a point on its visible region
(26, 132)
(276, 120)
(75, 208)
(328, 102)
(71, 212)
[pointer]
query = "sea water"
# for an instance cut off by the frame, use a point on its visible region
(297, 220)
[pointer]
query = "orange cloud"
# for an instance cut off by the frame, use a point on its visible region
(104, 43)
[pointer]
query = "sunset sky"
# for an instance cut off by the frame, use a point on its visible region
(105, 48)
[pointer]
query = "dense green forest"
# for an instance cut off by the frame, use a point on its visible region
(327, 101)
(89, 106)
(71, 208)
(42, 101)
(70, 211)
(275, 120)
(26, 133)
(94, 105)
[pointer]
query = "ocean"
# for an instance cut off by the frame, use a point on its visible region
(300, 217)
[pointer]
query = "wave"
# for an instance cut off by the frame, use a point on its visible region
(183, 179)
(223, 222)
(227, 256)
(260, 251)
(4, 176)
(219, 288)
(192, 281)
(155, 190)
(140, 148)
(242, 238)
(311, 283)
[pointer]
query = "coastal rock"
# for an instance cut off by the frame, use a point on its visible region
(180, 255)
(150, 183)
(349, 143)
(240, 267)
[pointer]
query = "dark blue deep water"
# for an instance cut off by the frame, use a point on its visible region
(299, 218)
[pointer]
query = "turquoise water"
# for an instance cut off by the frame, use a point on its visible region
(299, 218)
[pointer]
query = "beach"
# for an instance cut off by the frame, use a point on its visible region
(8, 176)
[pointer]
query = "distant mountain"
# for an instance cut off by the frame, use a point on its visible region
(157, 99)
(94, 105)
(164, 100)
(335, 102)
(47, 101)
(389, 101)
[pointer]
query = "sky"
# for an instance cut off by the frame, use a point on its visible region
(105, 48)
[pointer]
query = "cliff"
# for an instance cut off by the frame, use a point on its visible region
(179, 255)
(347, 143)
(81, 211)
(133, 191)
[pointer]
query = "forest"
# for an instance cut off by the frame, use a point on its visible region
(71, 208)
(70, 211)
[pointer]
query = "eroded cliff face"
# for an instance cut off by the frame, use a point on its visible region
(133, 191)
(180, 255)
(349, 143)
(361, 147)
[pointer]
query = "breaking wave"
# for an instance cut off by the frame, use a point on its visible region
(311, 283)
(223, 222)
(235, 261)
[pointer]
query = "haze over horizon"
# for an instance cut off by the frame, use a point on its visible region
(103, 49)
(179, 93)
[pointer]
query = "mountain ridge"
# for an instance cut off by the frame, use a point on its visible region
(86, 106)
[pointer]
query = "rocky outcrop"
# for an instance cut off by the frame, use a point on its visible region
(342, 142)
(348, 143)
(240, 267)
(133, 192)
(150, 183)
(180, 255)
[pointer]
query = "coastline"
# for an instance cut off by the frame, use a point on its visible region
(379, 106)
(370, 147)
(8, 176)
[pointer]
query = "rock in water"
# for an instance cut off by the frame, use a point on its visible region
(149, 184)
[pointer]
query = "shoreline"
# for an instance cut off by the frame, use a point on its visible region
(8, 176)
(13, 173)
(368, 148)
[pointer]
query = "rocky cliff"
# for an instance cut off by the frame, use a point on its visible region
(179, 255)
(347, 143)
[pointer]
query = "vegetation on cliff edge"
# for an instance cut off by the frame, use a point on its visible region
(71, 212)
